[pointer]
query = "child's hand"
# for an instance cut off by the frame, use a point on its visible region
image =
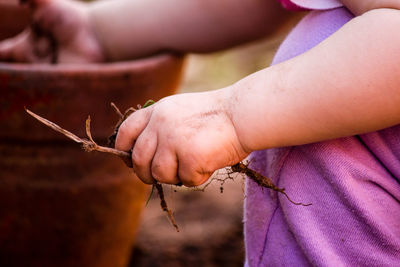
(182, 138)
(60, 29)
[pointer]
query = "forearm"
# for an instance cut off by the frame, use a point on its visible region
(359, 7)
(348, 84)
(135, 28)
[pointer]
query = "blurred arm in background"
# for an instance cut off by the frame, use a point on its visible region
(127, 29)
(130, 29)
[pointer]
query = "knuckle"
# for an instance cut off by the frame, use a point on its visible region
(142, 173)
(121, 135)
(159, 174)
(122, 128)
(202, 179)
(146, 181)
(137, 160)
(190, 183)
(194, 179)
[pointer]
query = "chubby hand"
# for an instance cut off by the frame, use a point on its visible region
(60, 31)
(182, 138)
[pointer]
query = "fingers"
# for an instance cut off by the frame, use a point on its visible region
(131, 128)
(6, 50)
(42, 48)
(60, 19)
(190, 176)
(22, 49)
(17, 48)
(142, 155)
(50, 20)
(132, 134)
(154, 156)
(164, 166)
(29, 46)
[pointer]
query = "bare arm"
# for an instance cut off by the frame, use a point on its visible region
(129, 29)
(349, 84)
(359, 7)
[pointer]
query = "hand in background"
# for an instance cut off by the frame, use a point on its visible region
(60, 31)
(182, 138)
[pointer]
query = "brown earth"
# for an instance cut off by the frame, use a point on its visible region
(210, 229)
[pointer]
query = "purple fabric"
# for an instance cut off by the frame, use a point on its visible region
(353, 185)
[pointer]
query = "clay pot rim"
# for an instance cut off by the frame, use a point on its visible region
(134, 65)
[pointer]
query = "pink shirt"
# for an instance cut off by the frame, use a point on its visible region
(353, 183)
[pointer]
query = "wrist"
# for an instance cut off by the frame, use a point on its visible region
(231, 103)
(252, 109)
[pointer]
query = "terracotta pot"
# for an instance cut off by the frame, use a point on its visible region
(61, 206)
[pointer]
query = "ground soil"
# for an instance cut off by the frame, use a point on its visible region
(211, 229)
